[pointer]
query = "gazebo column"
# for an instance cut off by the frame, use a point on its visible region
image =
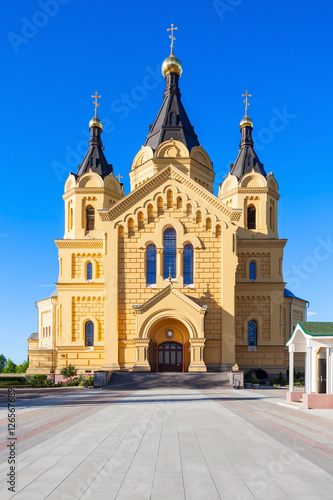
(291, 367)
(327, 370)
(330, 376)
(309, 370)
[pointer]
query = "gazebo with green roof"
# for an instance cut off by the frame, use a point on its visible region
(315, 339)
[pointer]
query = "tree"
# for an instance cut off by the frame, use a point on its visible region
(3, 362)
(22, 368)
(69, 371)
(10, 367)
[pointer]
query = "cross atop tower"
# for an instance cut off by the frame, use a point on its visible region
(246, 95)
(171, 36)
(96, 96)
(119, 177)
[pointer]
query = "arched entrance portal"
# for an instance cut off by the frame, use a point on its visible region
(170, 357)
(169, 346)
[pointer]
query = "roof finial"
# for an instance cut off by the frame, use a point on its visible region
(171, 36)
(96, 96)
(246, 95)
(96, 122)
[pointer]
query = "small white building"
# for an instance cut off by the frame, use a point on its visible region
(315, 340)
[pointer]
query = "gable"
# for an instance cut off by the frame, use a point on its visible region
(155, 190)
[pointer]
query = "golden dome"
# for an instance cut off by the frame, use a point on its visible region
(172, 64)
(96, 122)
(246, 122)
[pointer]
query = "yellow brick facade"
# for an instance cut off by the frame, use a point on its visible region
(104, 315)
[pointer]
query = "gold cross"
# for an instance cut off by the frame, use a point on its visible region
(119, 177)
(96, 96)
(171, 36)
(246, 95)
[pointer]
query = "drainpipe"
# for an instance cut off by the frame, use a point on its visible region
(52, 337)
(306, 313)
(290, 318)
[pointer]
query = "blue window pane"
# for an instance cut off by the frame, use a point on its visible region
(89, 333)
(150, 265)
(169, 253)
(252, 333)
(89, 271)
(253, 271)
(188, 265)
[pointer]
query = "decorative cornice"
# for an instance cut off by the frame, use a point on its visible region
(257, 287)
(79, 243)
(126, 342)
(260, 243)
(84, 288)
(246, 190)
(158, 179)
(88, 190)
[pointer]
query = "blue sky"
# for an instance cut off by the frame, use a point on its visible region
(56, 54)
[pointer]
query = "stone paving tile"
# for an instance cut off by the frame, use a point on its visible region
(170, 444)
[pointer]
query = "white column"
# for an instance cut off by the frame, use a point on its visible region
(327, 370)
(291, 368)
(331, 370)
(309, 370)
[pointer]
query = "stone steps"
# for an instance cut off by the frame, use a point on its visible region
(149, 380)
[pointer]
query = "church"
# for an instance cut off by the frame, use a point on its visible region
(169, 277)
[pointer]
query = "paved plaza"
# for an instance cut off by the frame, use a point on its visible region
(167, 443)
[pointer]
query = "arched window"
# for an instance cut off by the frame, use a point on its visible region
(160, 210)
(188, 264)
(189, 210)
(169, 199)
(252, 333)
(150, 213)
(179, 202)
(218, 231)
(150, 265)
(199, 217)
(90, 218)
(89, 333)
(169, 253)
(89, 271)
(130, 227)
(251, 218)
(253, 270)
(208, 224)
(141, 220)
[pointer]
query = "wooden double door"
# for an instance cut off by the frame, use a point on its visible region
(170, 357)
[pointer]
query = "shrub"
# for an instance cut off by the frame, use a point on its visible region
(299, 384)
(11, 384)
(280, 380)
(21, 380)
(69, 371)
(88, 382)
(254, 380)
(37, 380)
